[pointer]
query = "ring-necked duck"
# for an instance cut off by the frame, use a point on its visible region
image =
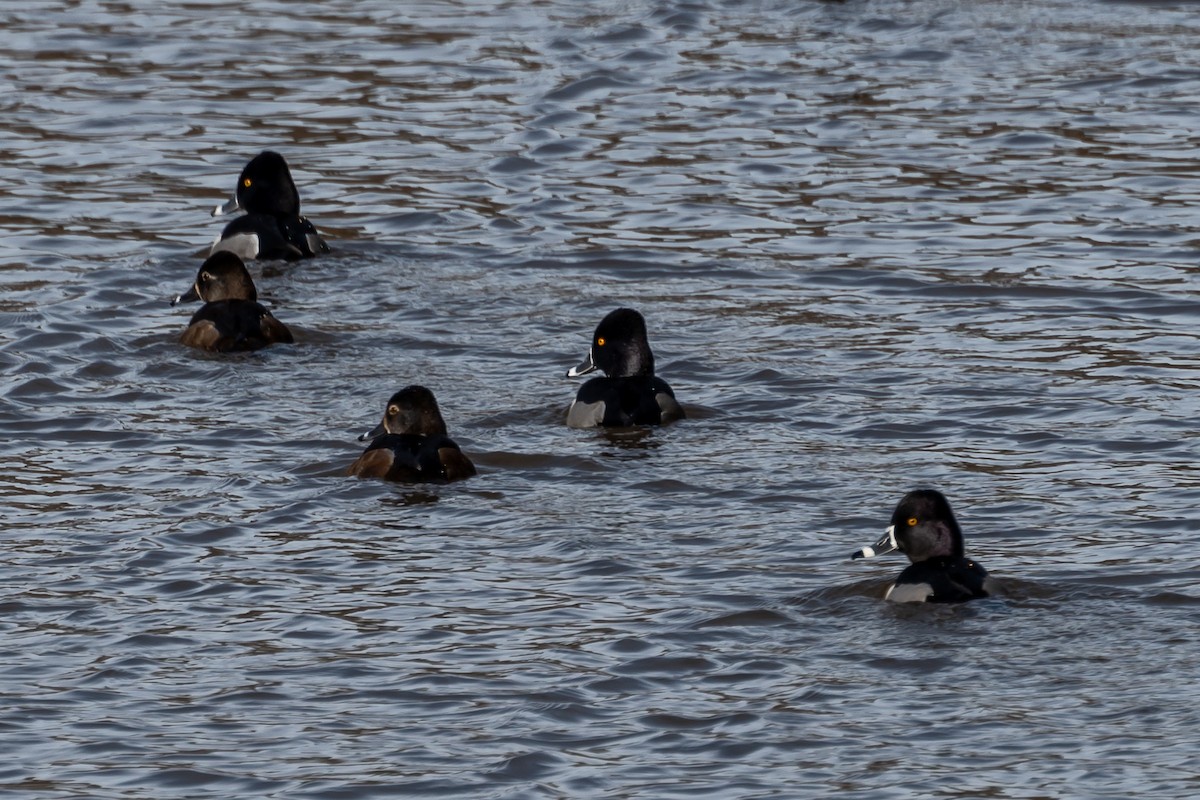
(272, 227)
(231, 317)
(923, 528)
(631, 394)
(410, 445)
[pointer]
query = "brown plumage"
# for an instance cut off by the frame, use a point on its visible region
(231, 318)
(410, 444)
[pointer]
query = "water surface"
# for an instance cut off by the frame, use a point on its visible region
(879, 245)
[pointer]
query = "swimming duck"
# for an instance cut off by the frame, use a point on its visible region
(410, 445)
(631, 394)
(231, 317)
(272, 227)
(924, 528)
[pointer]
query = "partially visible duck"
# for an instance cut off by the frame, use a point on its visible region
(631, 394)
(924, 529)
(410, 445)
(272, 227)
(231, 317)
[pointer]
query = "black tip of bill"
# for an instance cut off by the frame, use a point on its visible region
(885, 545)
(586, 366)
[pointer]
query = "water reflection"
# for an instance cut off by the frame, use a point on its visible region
(888, 245)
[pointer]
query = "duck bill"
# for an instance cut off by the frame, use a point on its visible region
(192, 295)
(227, 208)
(885, 545)
(377, 431)
(586, 366)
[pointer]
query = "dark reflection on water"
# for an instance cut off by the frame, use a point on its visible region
(878, 244)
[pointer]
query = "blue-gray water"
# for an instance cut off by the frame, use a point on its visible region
(879, 245)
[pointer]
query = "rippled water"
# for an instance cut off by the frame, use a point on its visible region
(879, 245)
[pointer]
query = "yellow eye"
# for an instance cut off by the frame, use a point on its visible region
(393, 410)
(246, 183)
(912, 521)
(600, 341)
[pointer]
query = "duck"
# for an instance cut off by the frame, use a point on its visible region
(272, 227)
(411, 445)
(630, 394)
(231, 318)
(924, 529)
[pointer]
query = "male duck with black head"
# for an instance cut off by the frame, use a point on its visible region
(231, 318)
(272, 227)
(631, 394)
(924, 529)
(410, 445)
